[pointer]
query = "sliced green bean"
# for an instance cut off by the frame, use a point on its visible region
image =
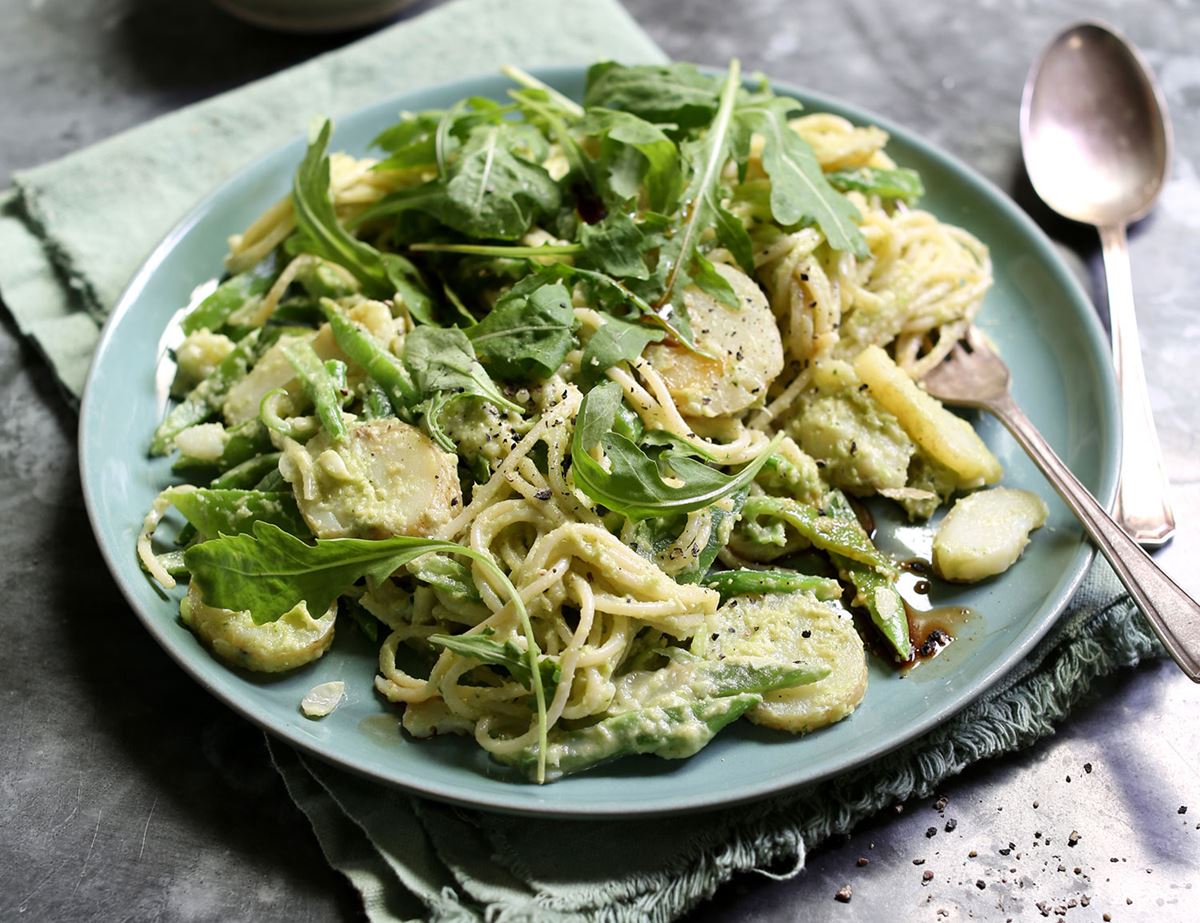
(320, 386)
(376, 405)
(756, 582)
(272, 481)
(834, 534)
(369, 354)
(248, 473)
(875, 590)
(692, 679)
(214, 311)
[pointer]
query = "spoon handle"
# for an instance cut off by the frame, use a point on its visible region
(1143, 507)
(1174, 615)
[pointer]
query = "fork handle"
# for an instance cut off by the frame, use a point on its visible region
(1143, 506)
(1174, 615)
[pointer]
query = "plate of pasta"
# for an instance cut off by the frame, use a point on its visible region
(554, 443)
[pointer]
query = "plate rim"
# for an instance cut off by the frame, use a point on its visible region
(1054, 605)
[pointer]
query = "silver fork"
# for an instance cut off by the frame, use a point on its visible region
(974, 376)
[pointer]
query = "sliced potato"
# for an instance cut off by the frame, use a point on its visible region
(796, 627)
(985, 533)
(947, 438)
(745, 343)
(291, 641)
(387, 478)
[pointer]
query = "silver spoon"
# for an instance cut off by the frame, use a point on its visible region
(1097, 141)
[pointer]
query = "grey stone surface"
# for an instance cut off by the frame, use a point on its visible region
(128, 793)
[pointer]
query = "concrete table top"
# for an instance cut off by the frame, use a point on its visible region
(126, 792)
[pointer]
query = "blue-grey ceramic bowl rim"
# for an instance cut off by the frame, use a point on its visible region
(1093, 339)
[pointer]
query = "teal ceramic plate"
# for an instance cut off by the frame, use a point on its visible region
(1036, 313)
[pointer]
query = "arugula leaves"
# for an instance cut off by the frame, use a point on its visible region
(617, 341)
(680, 254)
(615, 245)
(676, 94)
(652, 537)
(486, 649)
(799, 189)
(488, 189)
(381, 274)
(899, 183)
(444, 369)
(634, 153)
(270, 572)
(633, 484)
(530, 330)
(411, 142)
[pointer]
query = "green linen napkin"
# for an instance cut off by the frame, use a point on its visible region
(73, 232)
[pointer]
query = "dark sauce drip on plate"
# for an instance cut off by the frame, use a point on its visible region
(931, 628)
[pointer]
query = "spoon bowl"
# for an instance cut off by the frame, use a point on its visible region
(1094, 131)
(1097, 144)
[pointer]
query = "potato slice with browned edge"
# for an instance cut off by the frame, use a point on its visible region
(743, 343)
(387, 478)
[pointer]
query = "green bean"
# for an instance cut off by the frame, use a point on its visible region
(248, 473)
(370, 355)
(213, 312)
(272, 481)
(829, 533)
(205, 399)
(692, 679)
(322, 387)
(671, 732)
(877, 591)
(741, 675)
(755, 582)
(376, 405)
